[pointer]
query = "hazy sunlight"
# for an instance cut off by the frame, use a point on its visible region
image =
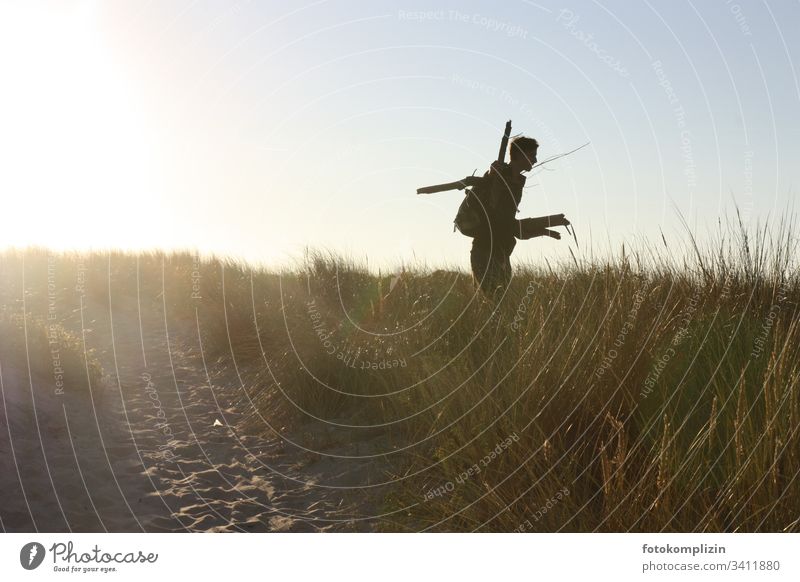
(78, 151)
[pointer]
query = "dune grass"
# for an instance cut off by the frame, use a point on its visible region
(33, 341)
(640, 393)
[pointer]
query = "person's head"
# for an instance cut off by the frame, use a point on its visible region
(523, 153)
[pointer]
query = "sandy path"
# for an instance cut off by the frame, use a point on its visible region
(159, 449)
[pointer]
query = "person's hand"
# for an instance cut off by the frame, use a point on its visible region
(560, 220)
(552, 233)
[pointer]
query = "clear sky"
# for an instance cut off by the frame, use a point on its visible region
(256, 129)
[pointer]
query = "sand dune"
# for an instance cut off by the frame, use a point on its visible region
(158, 446)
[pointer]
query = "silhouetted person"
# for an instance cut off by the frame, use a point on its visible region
(496, 236)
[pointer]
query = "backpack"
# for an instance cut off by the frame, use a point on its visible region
(471, 214)
(471, 217)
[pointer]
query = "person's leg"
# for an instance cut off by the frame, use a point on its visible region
(479, 258)
(504, 271)
(491, 268)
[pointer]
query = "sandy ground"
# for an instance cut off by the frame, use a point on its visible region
(157, 446)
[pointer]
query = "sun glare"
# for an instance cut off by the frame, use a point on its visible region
(74, 146)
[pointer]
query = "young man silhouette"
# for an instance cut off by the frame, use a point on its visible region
(496, 237)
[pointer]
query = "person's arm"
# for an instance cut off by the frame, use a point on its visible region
(528, 233)
(533, 227)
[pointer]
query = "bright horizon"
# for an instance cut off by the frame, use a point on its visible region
(256, 130)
